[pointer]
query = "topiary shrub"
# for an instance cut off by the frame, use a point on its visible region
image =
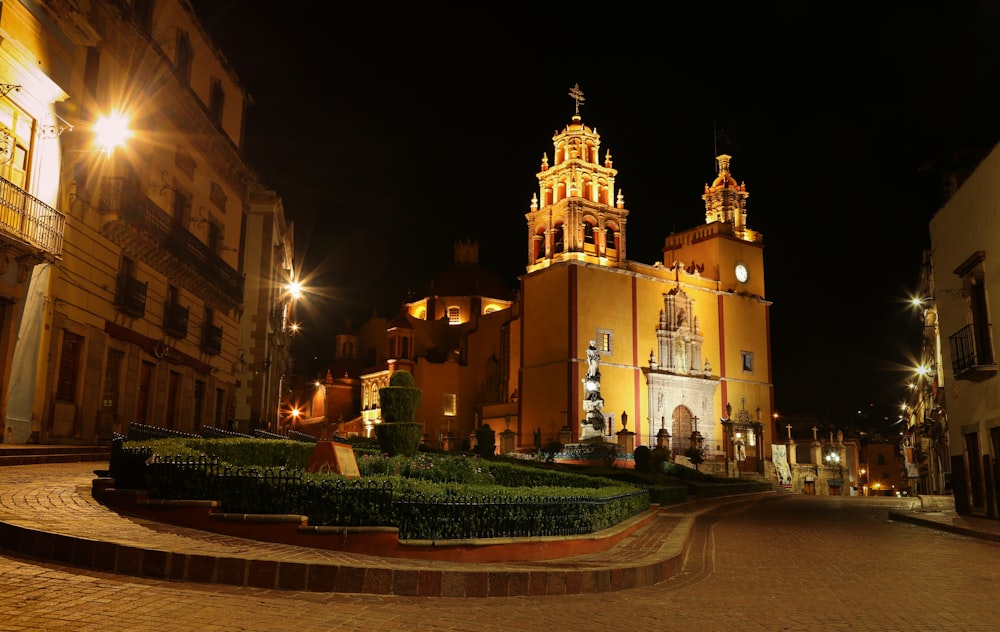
(486, 441)
(399, 400)
(550, 450)
(399, 433)
(643, 459)
(659, 458)
(399, 437)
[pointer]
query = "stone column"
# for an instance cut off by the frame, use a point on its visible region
(508, 441)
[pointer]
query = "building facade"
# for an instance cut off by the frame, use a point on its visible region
(34, 62)
(965, 259)
(682, 343)
(139, 321)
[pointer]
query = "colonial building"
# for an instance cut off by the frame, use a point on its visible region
(681, 344)
(33, 62)
(452, 339)
(965, 251)
(140, 319)
(264, 354)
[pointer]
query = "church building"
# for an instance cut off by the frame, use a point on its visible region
(679, 348)
(683, 343)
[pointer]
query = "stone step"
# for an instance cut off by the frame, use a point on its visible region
(39, 454)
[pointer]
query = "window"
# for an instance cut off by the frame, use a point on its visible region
(69, 364)
(143, 10)
(454, 315)
(216, 101)
(199, 404)
(182, 209)
(972, 354)
(220, 398)
(185, 57)
(605, 341)
(747, 361)
(450, 404)
(91, 71)
(184, 162)
(16, 133)
(218, 197)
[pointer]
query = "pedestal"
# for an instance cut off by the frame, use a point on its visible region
(626, 441)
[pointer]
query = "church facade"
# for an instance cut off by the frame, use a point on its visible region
(681, 344)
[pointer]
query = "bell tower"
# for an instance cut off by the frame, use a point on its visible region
(726, 201)
(576, 213)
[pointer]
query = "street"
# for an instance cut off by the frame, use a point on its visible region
(796, 563)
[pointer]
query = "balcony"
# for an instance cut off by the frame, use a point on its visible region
(972, 359)
(211, 339)
(278, 318)
(130, 296)
(29, 222)
(175, 320)
(145, 231)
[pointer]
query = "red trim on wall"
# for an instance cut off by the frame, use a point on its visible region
(722, 353)
(636, 383)
(770, 370)
(573, 367)
(520, 372)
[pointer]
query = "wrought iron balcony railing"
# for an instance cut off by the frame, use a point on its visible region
(130, 296)
(211, 339)
(972, 358)
(147, 232)
(175, 320)
(30, 220)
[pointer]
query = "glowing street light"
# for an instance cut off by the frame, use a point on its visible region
(111, 131)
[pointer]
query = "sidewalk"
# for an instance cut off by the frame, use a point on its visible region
(48, 512)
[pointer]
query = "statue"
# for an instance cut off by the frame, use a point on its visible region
(593, 356)
(741, 453)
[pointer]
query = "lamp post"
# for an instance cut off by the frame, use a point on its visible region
(695, 453)
(833, 459)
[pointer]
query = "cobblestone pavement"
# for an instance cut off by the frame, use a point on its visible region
(797, 563)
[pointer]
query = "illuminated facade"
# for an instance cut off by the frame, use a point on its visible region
(32, 60)
(966, 286)
(264, 353)
(451, 339)
(683, 342)
(140, 320)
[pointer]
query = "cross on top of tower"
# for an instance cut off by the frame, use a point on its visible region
(576, 94)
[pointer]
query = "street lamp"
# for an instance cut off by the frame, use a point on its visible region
(111, 131)
(833, 460)
(695, 452)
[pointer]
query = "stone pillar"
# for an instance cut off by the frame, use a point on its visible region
(565, 435)
(448, 442)
(508, 441)
(663, 439)
(816, 453)
(791, 451)
(626, 440)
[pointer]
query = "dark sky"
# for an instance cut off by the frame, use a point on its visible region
(390, 133)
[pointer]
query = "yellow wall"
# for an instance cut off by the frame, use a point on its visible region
(566, 304)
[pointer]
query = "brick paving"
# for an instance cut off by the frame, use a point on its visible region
(787, 563)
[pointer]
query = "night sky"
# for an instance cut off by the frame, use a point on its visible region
(391, 133)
